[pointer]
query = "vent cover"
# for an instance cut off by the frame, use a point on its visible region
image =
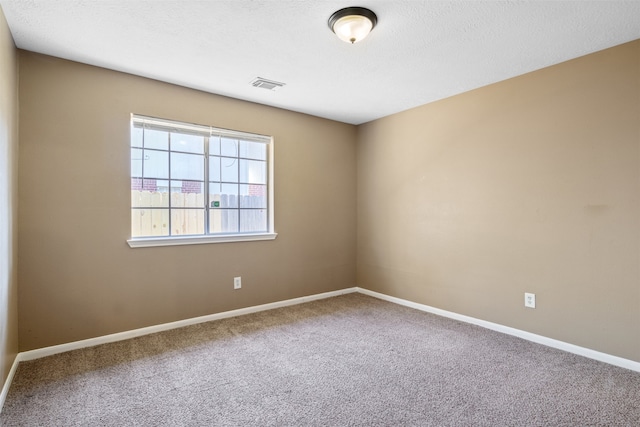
(266, 84)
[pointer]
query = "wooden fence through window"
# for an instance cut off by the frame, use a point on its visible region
(228, 213)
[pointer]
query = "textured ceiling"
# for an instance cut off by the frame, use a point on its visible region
(420, 51)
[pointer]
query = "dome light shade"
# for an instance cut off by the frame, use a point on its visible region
(352, 24)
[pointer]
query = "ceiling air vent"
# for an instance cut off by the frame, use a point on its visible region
(266, 84)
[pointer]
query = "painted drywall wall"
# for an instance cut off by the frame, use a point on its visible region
(8, 200)
(528, 185)
(79, 278)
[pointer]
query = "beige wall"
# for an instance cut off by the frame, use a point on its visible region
(78, 276)
(8, 200)
(528, 185)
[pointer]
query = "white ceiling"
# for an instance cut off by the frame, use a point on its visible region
(420, 51)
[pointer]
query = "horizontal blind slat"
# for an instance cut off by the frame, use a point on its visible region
(194, 129)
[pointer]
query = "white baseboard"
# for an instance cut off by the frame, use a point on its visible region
(48, 351)
(7, 383)
(120, 336)
(549, 342)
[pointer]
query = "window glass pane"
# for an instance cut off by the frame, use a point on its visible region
(147, 193)
(253, 171)
(214, 145)
(223, 221)
(136, 136)
(229, 147)
(187, 194)
(226, 195)
(169, 194)
(188, 143)
(149, 222)
(253, 150)
(229, 169)
(156, 164)
(136, 162)
(162, 186)
(253, 196)
(187, 166)
(252, 220)
(156, 139)
(214, 168)
(187, 221)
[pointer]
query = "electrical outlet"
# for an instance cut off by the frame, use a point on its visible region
(237, 282)
(529, 300)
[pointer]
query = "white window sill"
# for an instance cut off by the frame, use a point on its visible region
(146, 242)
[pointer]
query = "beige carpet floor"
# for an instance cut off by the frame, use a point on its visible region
(351, 360)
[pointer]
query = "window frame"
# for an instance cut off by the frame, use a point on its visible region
(208, 132)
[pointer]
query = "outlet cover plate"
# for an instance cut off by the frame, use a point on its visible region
(529, 300)
(237, 282)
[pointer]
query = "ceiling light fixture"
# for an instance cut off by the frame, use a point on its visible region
(352, 24)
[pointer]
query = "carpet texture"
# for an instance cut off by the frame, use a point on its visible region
(351, 360)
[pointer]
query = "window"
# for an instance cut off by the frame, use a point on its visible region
(198, 184)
